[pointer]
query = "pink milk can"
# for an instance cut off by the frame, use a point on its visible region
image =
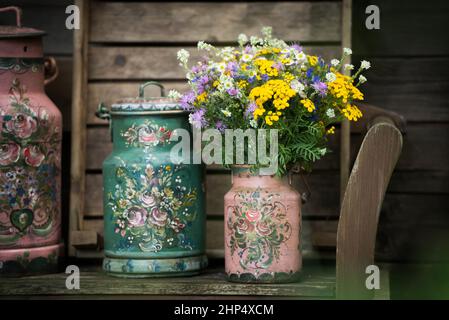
(30, 155)
(262, 229)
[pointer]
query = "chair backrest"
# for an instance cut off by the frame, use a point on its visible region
(361, 205)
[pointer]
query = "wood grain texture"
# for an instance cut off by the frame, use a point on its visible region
(79, 111)
(362, 202)
(416, 87)
(213, 22)
(317, 281)
(145, 63)
(415, 29)
(345, 133)
(419, 148)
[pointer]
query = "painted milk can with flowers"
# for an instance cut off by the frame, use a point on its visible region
(266, 83)
(154, 217)
(30, 155)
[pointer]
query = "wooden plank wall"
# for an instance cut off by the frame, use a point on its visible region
(123, 53)
(409, 75)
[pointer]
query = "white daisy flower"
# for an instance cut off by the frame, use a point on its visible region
(221, 67)
(255, 40)
(349, 66)
(335, 62)
(174, 94)
(183, 56)
(242, 39)
(331, 77)
(296, 85)
(365, 64)
(362, 79)
(347, 51)
(246, 57)
(330, 113)
(267, 32)
(204, 46)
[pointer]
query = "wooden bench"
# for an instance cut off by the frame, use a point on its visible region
(356, 240)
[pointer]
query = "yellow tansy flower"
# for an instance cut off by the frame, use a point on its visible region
(308, 104)
(313, 60)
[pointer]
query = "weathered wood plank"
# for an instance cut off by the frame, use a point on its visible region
(214, 22)
(415, 29)
(143, 63)
(79, 134)
(361, 205)
(59, 90)
(417, 88)
(317, 281)
(419, 153)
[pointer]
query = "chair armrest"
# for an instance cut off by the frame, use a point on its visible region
(361, 205)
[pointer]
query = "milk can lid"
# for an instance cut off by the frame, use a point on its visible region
(18, 31)
(142, 103)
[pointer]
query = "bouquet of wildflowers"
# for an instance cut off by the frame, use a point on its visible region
(266, 83)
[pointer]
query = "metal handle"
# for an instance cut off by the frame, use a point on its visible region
(150, 83)
(104, 114)
(18, 14)
(305, 196)
(51, 68)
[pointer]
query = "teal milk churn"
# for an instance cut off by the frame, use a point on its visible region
(154, 215)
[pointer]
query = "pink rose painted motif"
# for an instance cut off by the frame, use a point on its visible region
(136, 216)
(9, 153)
(158, 217)
(147, 200)
(29, 171)
(152, 209)
(257, 227)
(147, 135)
(33, 156)
(21, 125)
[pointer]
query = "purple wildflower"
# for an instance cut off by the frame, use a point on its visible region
(204, 80)
(220, 126)
(187, 100)
(265, 77)
(320, 87)
(250, 110)
(195, 69)
(197, 118)
(233, 92)
(278, 65)
(232, 66)
(251, 79)
(297, 47)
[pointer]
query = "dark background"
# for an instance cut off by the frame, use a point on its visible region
(409, 75)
